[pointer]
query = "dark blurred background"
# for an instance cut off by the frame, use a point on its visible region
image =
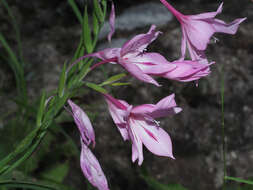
(50, 33)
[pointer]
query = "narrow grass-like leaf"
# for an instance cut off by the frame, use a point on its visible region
(16, 28)
(41, 109)
(113, 79)
(96, 87)
(27, 154)
(99, 12)
(25, 185)
(86, 32)
(60, 103)
(239, 180)
(104, 4)
(76, 10)
(84, 70)
(62, 81)
(16, 67)
(121, 84)
(25, 143)
(95, 24)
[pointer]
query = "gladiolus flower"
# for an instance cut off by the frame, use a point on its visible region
(188, 71)
(83, 123)
(92, 169)
(132, 57)
(138, 125)
(198, 29)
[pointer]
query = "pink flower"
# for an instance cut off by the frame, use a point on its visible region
(83, 123)
(188, 71)
(138, 125)
(198, 29)
(132, 57)
(92, 169)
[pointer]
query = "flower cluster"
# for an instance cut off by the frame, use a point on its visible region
(137, 123)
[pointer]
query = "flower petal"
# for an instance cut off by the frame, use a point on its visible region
(208, 14)
(83, 123)
(154, 138)
(142, 109)
(152, 63)
(92, 169)
(198, 33)
(231, 28)
(119, 113)
(165, 107)
(137, 150)
(183, 44)
(140, 42)
(138, 73)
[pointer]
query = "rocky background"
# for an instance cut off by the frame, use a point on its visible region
(50, 34)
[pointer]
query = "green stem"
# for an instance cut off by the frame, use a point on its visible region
(32, 141)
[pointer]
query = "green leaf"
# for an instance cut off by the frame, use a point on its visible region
(113, 79)
(16, 67)
(84, 70)
(25, 143)
(86, 32)
(98, 11)
(16, 28)
(62, 81)
(26, 185)
(57, 173)
(120, 83)
(96, 87)
(154, 184)
(76, 10)
(239, 180)
(39, 185)
(60, 103)
(95, 24)
(104, 4)
(41, 109)
(23, 158)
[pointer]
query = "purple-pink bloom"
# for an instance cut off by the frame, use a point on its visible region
(187, 70)
(92, 169)
(83, 123)
(198, 29)
(132, 57)
(111, 22)
(138, 124)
